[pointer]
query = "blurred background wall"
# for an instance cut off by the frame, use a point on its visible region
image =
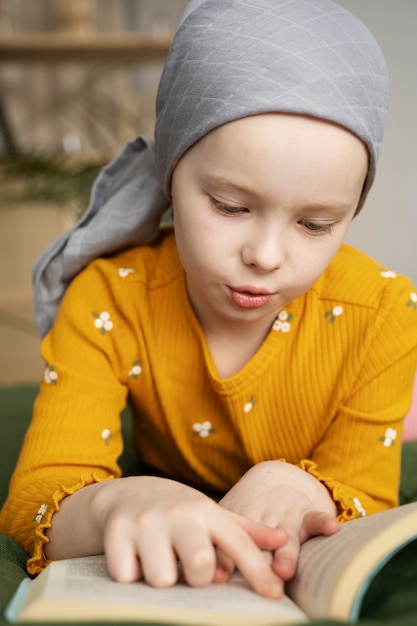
(62, 120)
(387, 228)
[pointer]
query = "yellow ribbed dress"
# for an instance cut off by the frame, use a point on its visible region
(327, 390)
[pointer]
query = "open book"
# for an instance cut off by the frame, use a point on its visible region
(332, 576)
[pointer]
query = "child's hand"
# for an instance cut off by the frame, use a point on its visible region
(145, 524)
(282, 495)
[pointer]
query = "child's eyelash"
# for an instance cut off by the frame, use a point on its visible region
(315, 228)
(227, 208)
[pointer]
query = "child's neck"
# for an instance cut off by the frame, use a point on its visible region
(232, 346)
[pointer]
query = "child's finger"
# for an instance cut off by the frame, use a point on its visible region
(318, 523)
(266, 537)
(196, 552)
(224, 567)
(313, 523)
(123, 563)
(285, 558)
(235, 542)
(153, 542)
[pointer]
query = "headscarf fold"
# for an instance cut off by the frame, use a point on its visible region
(126, 207)
(229, 59)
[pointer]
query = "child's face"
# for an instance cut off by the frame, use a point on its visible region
(261, 206)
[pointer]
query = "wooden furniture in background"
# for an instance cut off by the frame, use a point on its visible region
(59, 47)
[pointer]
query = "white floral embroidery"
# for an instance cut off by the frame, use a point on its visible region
(125, 271)
(249, 405)
(50, 375)
(40, 516)
(413, 300)
(389, 437)
(388, 274)
(358, 506)
(106, 436)
(204, 429)
(283, 322)
(336, 311)
(135, 370)
(103, 322)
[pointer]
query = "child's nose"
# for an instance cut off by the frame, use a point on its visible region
(265, 249)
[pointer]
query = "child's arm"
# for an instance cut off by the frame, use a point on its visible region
(144, 523)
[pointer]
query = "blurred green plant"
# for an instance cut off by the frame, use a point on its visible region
(47, 179)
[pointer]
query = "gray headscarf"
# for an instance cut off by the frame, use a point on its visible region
(229, 59)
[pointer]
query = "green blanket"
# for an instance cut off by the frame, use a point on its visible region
(390, 601)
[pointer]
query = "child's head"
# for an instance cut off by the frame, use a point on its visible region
(261, 206)
(239, 58)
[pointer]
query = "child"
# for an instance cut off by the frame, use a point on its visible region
(262, 358)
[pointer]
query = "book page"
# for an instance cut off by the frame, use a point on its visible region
(333, 570)
(85, 583)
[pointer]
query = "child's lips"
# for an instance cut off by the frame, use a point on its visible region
(249, 298)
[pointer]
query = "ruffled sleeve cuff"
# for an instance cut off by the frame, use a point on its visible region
(348, 505)
(44, 516)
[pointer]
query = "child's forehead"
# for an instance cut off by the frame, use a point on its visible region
(271, 143)
(243, 57)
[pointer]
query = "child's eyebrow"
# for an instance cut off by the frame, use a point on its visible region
(222, 181)
(338, 206)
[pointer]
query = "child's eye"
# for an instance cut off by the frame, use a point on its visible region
(316, 228)
(227, 208)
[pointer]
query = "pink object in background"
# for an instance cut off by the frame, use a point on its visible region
(410, 431)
